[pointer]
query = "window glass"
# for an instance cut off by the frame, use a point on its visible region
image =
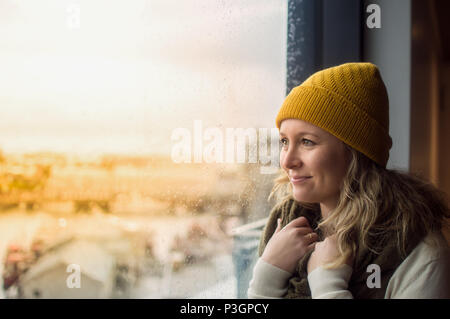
(129, 135)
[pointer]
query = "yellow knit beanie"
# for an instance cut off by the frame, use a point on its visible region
(349, 101)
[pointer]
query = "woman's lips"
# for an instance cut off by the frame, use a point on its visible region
(299, 179)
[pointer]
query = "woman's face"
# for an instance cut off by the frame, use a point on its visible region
(315, 161)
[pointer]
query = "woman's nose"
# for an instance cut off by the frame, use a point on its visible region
(291, 159)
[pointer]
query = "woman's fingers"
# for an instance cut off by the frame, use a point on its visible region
(300, 227)
(278, 225)
(302, 231)
(299, 222)
(312, 237)
(312, 246)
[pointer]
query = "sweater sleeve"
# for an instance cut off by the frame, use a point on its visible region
(330, 283)
(268, 281)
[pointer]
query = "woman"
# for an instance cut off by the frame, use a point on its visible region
(348, 227)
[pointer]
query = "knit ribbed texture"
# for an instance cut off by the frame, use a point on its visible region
(349, 101)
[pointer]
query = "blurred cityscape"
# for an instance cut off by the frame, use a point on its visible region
(136, 227)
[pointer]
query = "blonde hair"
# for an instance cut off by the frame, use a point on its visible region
(375, 203)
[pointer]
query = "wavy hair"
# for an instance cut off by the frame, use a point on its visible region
(376, 204)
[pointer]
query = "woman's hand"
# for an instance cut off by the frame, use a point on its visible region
(324, 253)
(289, 244)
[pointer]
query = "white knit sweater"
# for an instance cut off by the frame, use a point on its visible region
(424, 274)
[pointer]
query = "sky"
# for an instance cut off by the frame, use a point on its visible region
(116, 76)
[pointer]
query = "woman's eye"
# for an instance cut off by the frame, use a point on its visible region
(307, 142)
(304, 141)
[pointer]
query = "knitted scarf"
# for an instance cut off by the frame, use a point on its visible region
(388, 259)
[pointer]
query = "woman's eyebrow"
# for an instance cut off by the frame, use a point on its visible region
(300, 133)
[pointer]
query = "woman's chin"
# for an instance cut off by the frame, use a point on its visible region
(302, 197)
